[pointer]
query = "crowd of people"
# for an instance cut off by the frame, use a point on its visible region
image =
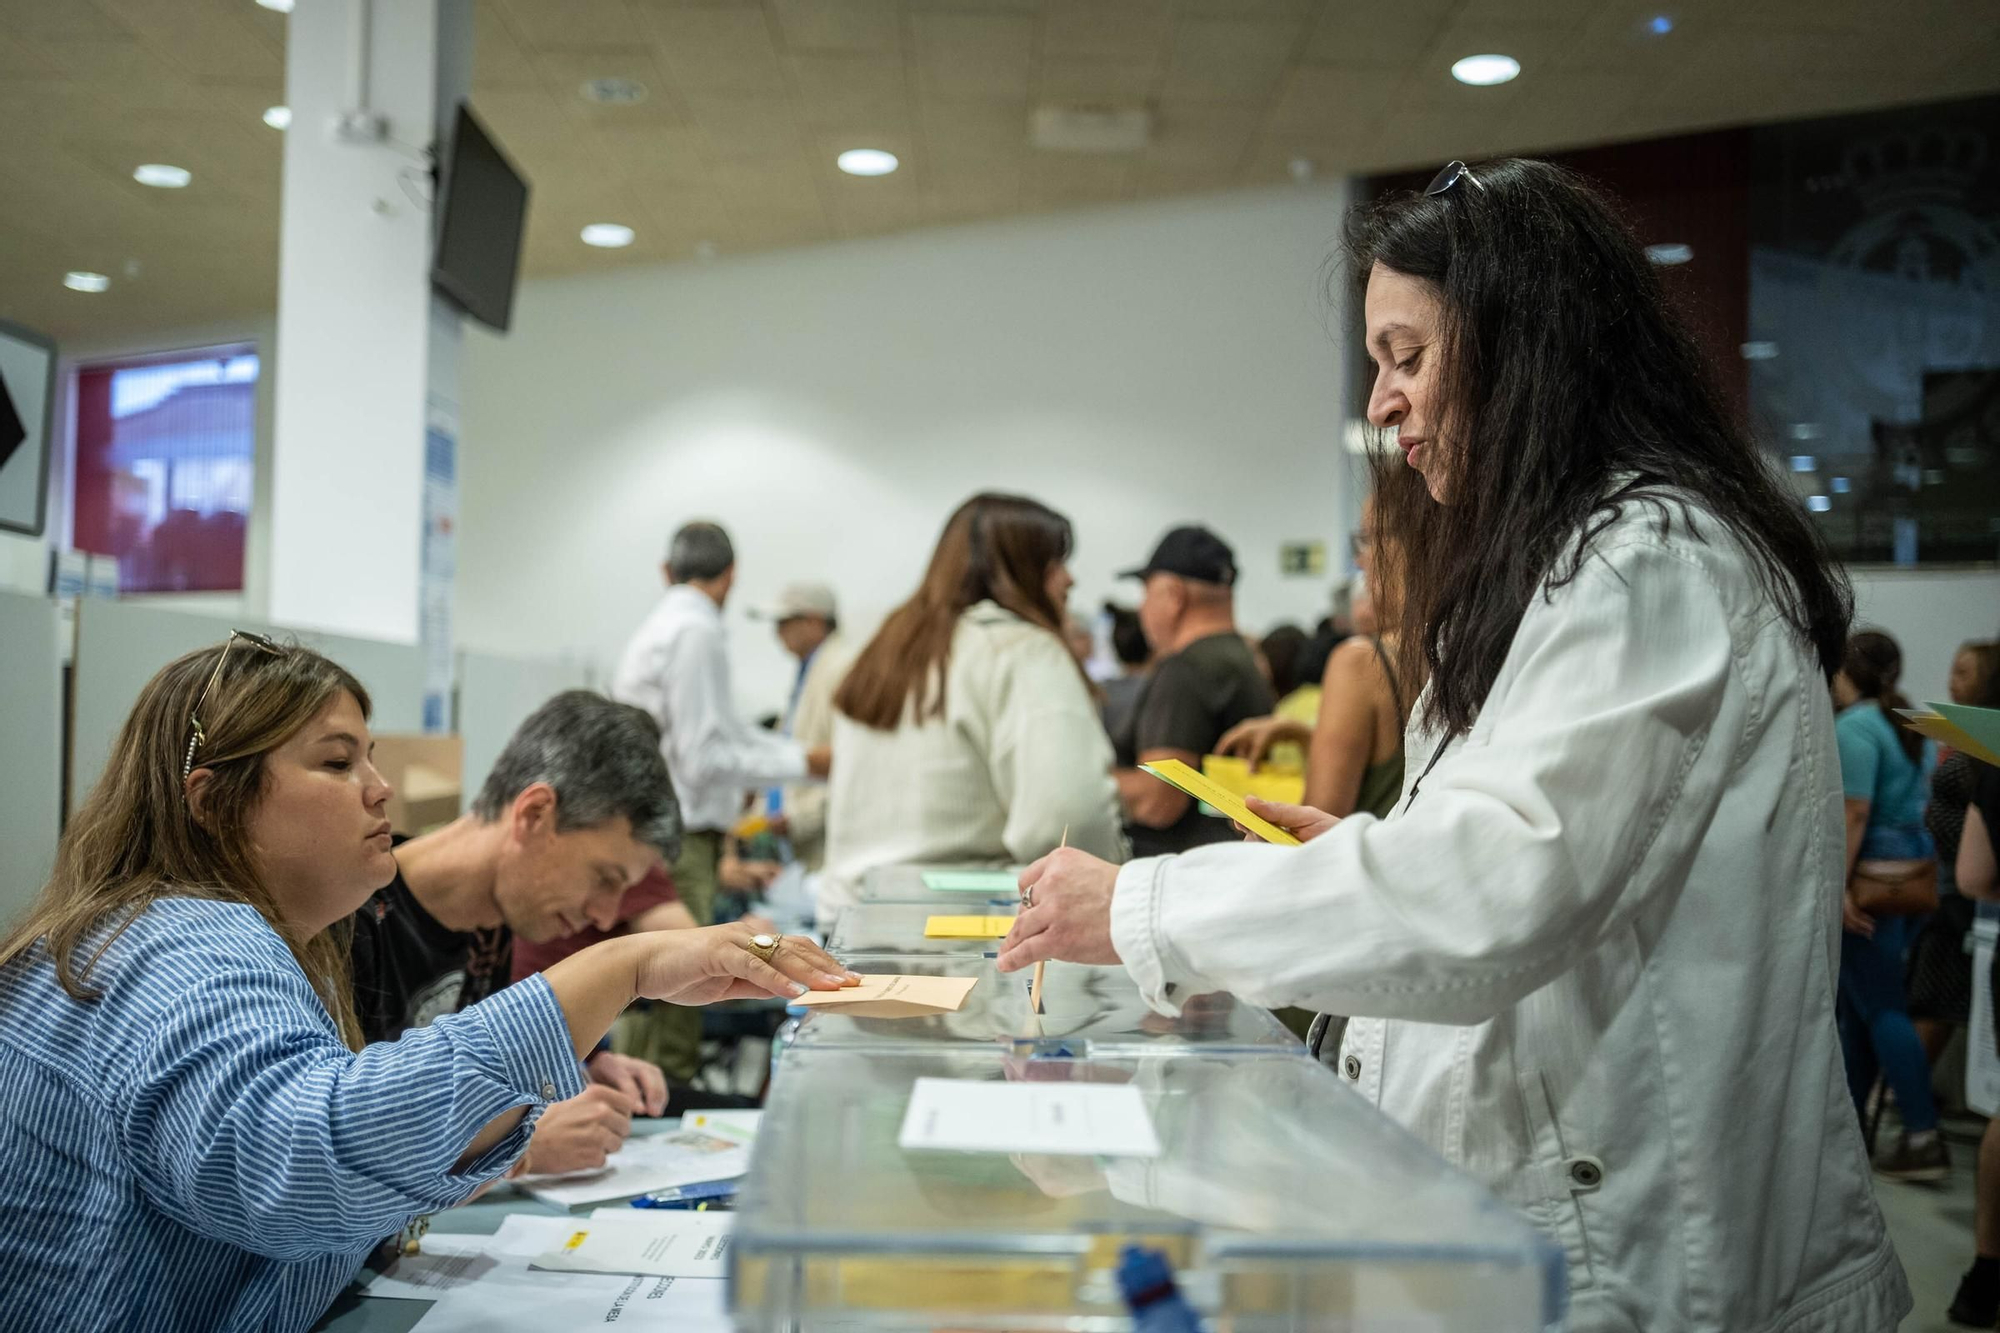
(1577, 902)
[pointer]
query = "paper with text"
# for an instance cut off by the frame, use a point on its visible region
(656, 1244)
(975, 1115)
(891, 996)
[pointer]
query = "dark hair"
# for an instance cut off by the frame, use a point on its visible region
(603, 760)
(1873, 664)
(1568, 389)
(1128, 636)
(698, 552)
(1286, 649)
(1986, 666)
(994, 548)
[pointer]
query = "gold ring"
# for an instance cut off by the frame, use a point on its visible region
(764, 946)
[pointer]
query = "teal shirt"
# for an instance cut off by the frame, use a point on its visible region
(1874, 768)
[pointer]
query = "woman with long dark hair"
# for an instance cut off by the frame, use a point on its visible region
(1590, 953)
(1885, 773)
(965, 731)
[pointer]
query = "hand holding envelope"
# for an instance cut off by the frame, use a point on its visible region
(890, 996)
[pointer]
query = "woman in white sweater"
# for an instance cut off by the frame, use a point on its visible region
(965, 732)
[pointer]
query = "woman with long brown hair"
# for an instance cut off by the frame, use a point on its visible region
(193, 1138)
(965, 731)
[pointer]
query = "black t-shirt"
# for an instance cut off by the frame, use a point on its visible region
(1191, 699)
(409, 968)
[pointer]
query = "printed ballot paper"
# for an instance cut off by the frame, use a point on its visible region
(890, 996)
(655, 1244)
(967, 927)
(975, 1115)
(998, 883)
(647, 1163)
(1212, 793)
(484, 1282)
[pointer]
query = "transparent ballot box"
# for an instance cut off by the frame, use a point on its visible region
(909, 884)
(1282, 1200)
(1085, 1011)
(898, 928)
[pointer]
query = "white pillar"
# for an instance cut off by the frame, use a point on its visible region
(367, 357)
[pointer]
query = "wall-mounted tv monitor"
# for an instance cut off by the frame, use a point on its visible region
(482, 209)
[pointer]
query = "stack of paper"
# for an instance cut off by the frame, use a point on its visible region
(637, 1242)
(977, 1115)
(647, 1163)
(890, 996)
(480, 1283)
(1973, 730)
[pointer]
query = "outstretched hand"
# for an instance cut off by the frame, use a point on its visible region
(714, 963)
(1067, 912)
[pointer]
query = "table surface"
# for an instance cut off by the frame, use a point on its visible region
(355, 1313)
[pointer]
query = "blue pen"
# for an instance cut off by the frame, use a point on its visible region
(688, 1196)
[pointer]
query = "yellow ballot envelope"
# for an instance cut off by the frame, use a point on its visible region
(967, 927)
(1176, 774)
(1973, 730)
(1272, 782)
(892, 996)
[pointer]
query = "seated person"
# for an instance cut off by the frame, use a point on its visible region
(195, 1135)
(565, 835)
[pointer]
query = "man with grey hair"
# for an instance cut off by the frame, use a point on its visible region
(676, 668)
(568, 831)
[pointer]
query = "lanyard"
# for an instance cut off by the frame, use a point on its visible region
(1417, 786)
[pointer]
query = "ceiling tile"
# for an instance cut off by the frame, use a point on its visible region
(1097, 82)
(839, 25)
(1223, 60)
(1122, 30)
(744, 125)
(724, 50)
(1322, 99)
(67, 20)
(558, 25)
(974, 56)
(837, 91)
(498, 60)
(1352, 34)
(210, 39)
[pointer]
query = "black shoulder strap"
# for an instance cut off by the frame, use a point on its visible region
(1389, 670)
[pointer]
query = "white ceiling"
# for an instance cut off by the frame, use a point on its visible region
(749, 101)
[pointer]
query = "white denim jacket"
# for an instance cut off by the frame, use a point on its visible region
(1593, 961)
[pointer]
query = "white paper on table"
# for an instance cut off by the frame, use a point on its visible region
(651, 1242)
(973, 1115)
(644, 1164)
(726, 1123)
(506, 1293)
(451, 1262)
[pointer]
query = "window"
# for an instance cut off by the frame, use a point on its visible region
(164, 466)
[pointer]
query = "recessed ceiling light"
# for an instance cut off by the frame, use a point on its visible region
(278, 117)
(1485, 71)
(1670, 252)
(1842, 485)
(1819, 504)
(79, 280)
(282, 6)
(1660, 25)
(613, 92)
(161, 176)
(1805, 462)
(607, 235)
(866, 162)
(1759, 350)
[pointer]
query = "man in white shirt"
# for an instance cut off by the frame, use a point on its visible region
(676, 667)
(808, 624)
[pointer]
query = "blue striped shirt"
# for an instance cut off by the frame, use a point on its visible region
(198, 1149)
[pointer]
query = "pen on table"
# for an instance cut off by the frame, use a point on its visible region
(1035, 986)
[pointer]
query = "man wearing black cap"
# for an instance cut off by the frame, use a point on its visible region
(1204, 684)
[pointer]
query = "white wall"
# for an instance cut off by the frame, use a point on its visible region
(1929, 613)
(1134, 367)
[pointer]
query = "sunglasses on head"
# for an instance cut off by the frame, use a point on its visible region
(197, 734)
(1453, 173)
